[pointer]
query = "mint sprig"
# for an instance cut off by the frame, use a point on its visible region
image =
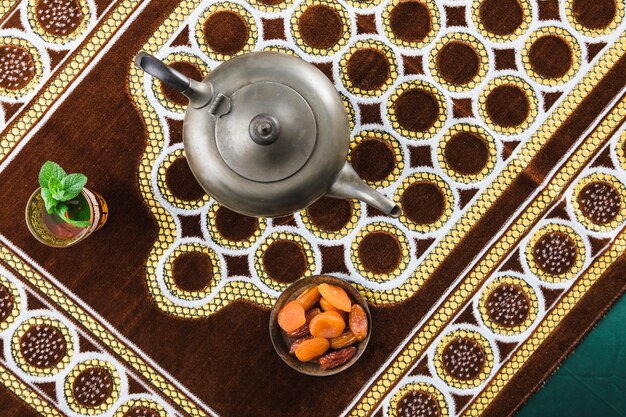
(57, 188)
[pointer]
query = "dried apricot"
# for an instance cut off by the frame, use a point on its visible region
(326, 306)
(296, 343)
(346, 338)
(327, 324)
(291, 316)
(336, 296)
(311, 348)
(334, 359)
(304, 329)
(358, 322)
(309, 298)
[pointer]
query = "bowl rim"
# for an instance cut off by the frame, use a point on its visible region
(276, 333)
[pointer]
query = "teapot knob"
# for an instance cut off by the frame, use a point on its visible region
(264, 129)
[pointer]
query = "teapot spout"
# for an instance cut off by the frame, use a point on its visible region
(199, 93)
(349, 185)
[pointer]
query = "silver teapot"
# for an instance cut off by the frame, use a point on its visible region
(266, 134)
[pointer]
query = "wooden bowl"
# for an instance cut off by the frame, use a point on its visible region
(279, 338)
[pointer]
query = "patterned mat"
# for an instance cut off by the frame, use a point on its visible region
(495, 124)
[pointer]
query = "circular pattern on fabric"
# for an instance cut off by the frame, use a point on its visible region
(464, 359)
(368, 68)
(417, 399)
(501, 20)
(412, 23)
(598, 201)
(555, 253)
(320, 28)
(508, 105)
(233, 230)
(188, 64)
(427, 202)
(551, 55)
(10, 303)
(178, 185)
(226, 29)
(380, 251)
(594, 18)
(183, 268)
(467, 153)
(417, 110)
(42, 346)
(59, 21)
(92, 387)
(459, 61)
(282, 258)
(508, 305)
(141, 407)
(377, 158)
(21, 67)
(331, 218)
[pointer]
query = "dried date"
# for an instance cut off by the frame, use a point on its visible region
(337, 358)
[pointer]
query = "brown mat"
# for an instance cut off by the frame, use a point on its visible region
(496, 125)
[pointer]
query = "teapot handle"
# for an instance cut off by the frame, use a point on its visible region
(158, 69)
(199, 93)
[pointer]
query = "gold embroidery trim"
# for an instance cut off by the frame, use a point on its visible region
(6, 6)
(497, 252)
(26, 393)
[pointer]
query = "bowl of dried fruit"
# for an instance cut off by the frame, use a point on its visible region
(320, 325)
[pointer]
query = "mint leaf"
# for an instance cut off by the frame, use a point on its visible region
(72, 185)
(48, 201)
(56, 188)
(50, 170)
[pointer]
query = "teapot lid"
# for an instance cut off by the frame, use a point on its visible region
(268, 132)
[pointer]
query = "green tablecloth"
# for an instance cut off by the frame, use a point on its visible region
(592, 381)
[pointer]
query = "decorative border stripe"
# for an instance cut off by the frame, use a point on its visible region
(6, 6)
(35, 110)
(26, 394)
(548, 325)
(493, 257)
(77, 313)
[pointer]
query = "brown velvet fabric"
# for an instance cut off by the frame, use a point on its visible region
(227, 360)
(330, 214)
(417, 110)
(410, 21)
(466, 153)
(12, 406)
(368, 68)
(181, 182)
(594, 13)
(320, 26)
(501, 17)
(229, 36)
(550, 56)
(192, 271)
(373, 159)
(458, 62)
(508, 105)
